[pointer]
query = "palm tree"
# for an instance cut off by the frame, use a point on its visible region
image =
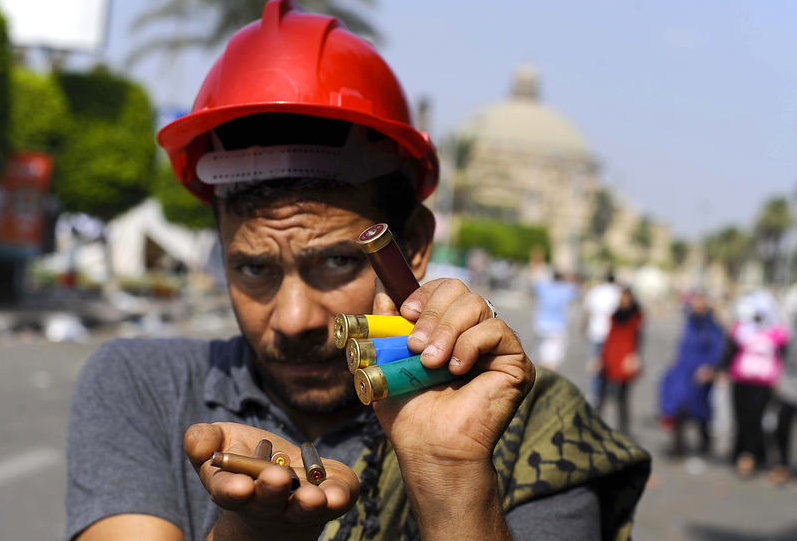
(642, 237)
(602, 214)
(228, 16)
(729, 247)
(679, 251)
(773, 222)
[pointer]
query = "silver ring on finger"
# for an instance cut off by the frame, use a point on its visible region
(490, 306)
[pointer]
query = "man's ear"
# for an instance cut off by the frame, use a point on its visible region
(418, 238)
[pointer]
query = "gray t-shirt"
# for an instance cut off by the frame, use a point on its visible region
(134, 400)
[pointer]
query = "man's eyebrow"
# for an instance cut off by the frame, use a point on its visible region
(344, 247)
(240, 256)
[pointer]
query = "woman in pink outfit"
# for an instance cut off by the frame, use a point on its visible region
(754, 361)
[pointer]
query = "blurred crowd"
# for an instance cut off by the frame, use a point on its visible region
(749, 348)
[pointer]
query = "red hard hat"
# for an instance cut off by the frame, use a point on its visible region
(300, 63)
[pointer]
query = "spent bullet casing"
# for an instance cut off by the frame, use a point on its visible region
(280, 458)
(251, 466)
(362, 352)
(263, 450)
(396, 378)
(313, 467)
(234, 463)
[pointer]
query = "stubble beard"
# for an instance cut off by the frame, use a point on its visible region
(320, 395)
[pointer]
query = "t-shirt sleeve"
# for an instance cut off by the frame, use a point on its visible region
(117, 449)
(568, 515)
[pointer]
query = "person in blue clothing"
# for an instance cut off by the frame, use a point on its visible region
(550, 320)
(686, 387)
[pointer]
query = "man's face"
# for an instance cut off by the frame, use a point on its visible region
(291, 268)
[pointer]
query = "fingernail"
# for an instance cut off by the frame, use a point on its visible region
(431, 353)
(413, 307)
(455, 362)
(419, 336)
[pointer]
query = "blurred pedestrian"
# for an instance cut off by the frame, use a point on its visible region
(686, 387)
(753, 359)
(786, 393)
(600, 303)
(554, 296)
(621, 363)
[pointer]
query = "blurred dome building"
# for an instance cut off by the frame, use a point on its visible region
(520, 160)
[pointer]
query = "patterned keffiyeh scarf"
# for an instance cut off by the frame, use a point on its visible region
(555, 441)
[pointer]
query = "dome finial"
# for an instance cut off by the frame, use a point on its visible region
(526, 83)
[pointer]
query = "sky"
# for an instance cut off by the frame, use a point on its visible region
(690, 107)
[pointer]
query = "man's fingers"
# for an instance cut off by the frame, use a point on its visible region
(491, 337)
(199, 442)
(432, 300)
(341, 495)
(412, 307)
(273, 487)
(307, 504)
(383, 304)
(464, 313)
(227, 490)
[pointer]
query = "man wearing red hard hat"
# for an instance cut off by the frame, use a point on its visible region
(300, 138)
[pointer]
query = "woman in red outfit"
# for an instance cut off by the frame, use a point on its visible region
(620, 355)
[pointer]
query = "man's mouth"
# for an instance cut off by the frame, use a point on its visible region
(308, 368)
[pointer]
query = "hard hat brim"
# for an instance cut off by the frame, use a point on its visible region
(179, 135)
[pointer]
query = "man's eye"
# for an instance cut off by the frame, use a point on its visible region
(340, 262)
(252, 270)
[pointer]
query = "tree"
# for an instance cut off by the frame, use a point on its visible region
(729, 247)
(97, 127)
(774, 220)
(40, 117)
(5, 67)
(501, 239)
(106, 166)
(179, 205)
(643, 236)
(602, 214)
(679, 250)
(228, 16)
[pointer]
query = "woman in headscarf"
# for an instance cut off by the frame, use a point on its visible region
(786, 394)
(686, 387)
(620, 355)
(756, 344)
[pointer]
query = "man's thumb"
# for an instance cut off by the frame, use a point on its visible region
(383, 305)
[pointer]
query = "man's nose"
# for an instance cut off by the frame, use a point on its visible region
(297, 309)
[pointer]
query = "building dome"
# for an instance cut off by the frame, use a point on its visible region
(522, 122)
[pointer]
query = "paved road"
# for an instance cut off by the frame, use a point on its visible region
(684, 501)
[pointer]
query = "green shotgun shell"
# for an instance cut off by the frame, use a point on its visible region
(408, 375)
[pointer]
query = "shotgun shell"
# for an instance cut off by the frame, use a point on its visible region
(370, 384)
(388, 262)
(362, 352)
(313, 467)
(349, 326)
(397, 378)
(368, 326)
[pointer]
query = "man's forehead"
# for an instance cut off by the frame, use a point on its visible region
(301, 198)
(302, 224)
